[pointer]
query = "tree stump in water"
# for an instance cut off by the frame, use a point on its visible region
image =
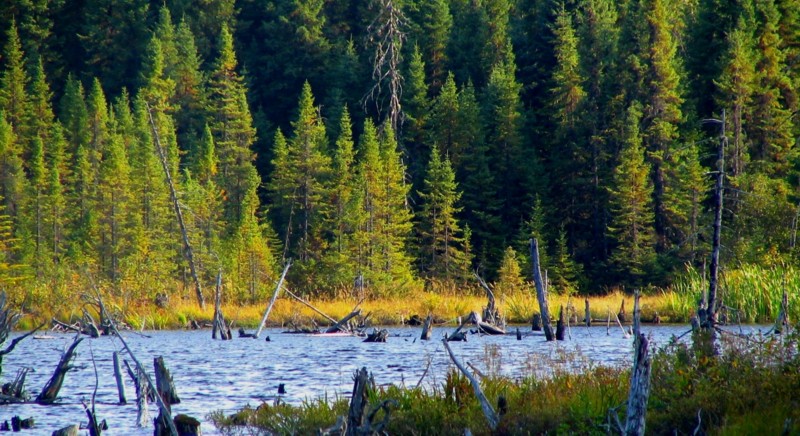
(536, 322)
(621, 314)
(587, 315)
(426, 328)
(187, 425)
(71, 430)
(377, 336)
(118, 378)
(18, 424)
(560, 327)
(166, 390)
(358, 404)
(50, 391)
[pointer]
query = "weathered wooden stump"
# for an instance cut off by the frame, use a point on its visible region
(377, 336)
(621, 313)
(560, 327)
(18, 424)
(541, 290)
(519, 335)
(587, 315)
(71, 430)
(50, 391)
(426, 328)
(536, 322)
(166, 390)
(187, 425)
(118, 378)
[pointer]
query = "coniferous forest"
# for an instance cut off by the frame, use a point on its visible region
(392, 144)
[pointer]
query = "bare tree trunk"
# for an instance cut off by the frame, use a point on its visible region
(488, 410)
(118, 378)
(640, 378)
(50, 391)
(541, 292)
(187, 246)
(272, 301)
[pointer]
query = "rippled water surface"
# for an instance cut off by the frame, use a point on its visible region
(212, 375)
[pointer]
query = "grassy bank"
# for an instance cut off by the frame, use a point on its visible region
(752, 294)
(750, 389)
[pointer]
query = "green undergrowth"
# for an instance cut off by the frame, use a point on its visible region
(750, 388)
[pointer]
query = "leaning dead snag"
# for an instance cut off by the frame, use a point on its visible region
(187, 247)
(219, 324)
(272, 301)
(488, 410)
(640, 377)
(541, 291)
(50, 391)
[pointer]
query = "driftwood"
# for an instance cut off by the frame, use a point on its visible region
(377, 336)
(118, 378)
(187, 246)
(166, 391)
(560, 324)
(488, 411)
(640, 378)
(272, 301)
(541, 291)
(341, 325)
(426, 328)
(50, 391)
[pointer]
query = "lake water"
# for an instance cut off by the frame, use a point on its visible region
(211, 374)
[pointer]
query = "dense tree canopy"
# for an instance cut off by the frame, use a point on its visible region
(578, 123)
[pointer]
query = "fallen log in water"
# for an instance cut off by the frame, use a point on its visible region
(341, 325)
(50, 391)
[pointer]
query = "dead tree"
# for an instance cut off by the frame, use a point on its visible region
(707, 316)
(541, 291)
(272, 301)
(560, 324)
(50, 391)
(8, 321)
(490, 313)
(118, 378)
(187, 246)
(640, 377)
(488, 410)
(165, 389)
(386, 34)
(426, 328)
(587, 315)
(219, 324)
(341, 325)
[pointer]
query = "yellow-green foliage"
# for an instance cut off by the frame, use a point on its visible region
(754, 292)
(751, 388)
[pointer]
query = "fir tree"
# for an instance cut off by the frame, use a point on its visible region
(509, 275)
(444, 119)
(13, 83)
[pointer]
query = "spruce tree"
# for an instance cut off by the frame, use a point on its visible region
(444, 119)
(13, 83)
(417, 125)
(232, 126)
(441, 240)
(631, 206)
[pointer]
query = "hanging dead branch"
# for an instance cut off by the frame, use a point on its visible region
(386, 34)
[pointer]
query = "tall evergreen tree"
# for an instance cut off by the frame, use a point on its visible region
(441, 254)
(631, 204)
(232, 126)
(13, 83)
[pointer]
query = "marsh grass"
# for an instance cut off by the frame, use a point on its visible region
(751, 388)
